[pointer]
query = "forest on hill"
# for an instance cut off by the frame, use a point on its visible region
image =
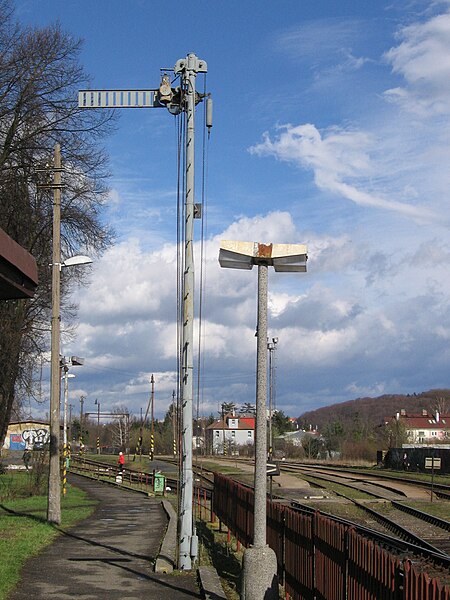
(368, 413)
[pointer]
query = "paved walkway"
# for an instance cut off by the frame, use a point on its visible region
(108, 556)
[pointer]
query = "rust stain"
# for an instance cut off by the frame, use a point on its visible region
(265, 250)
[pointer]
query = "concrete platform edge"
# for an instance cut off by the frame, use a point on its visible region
(166, 559)
(210, 585)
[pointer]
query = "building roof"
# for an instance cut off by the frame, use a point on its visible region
(18, 270)
(423, 421)
(243, 423)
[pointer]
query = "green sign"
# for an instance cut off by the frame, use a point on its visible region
(159, 482)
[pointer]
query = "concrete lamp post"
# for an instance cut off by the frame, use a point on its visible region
(260, 564)
(54, 482)
(74, 361)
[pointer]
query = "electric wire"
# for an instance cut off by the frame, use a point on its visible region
(202, 276)
(180, 267)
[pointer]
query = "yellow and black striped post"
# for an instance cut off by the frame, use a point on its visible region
(174, 447)
(98, 444)
(152, 446)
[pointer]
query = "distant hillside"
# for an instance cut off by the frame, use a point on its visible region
(371, 411)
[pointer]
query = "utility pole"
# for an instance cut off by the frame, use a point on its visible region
(271, 346)
(70, 426)
(81, 423)
(54, 478)
(98, 425)
(174, 424)
(152, 429)
(140, 437)
(183, 99)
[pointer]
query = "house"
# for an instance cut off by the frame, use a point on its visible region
(224, 436)
(423, 428)
(296, 437)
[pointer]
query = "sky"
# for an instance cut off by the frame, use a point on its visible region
(331, 129)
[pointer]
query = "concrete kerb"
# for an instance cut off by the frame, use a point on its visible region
(166, 559)
(210, 585)
(208, 579)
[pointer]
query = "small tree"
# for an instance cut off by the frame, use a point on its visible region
(334, 435)
(312, 446)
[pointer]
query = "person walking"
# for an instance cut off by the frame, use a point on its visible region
(121, 462)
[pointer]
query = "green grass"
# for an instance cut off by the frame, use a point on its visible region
(24, 531)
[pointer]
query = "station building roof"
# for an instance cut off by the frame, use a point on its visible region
(18, 270)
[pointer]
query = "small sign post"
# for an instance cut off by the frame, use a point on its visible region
(272, 469)
(432, 463)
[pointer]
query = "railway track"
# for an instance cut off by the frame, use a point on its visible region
(415, 526)
(405, 529)
(439, 489)
(419, 530)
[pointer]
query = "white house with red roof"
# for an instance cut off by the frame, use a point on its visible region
(424, 428)
(230, 432)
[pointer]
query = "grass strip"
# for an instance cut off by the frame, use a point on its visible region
(24, 531)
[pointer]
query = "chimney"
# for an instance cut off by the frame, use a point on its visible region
(437, 416)
(397, 416)
(424, 412)
(403, 412)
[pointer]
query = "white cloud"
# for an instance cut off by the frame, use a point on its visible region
(423, 60)
(340, 161)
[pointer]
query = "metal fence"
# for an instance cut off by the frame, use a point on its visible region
(321, 559)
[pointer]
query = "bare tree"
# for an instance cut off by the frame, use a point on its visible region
(121, 428)
(39, 78)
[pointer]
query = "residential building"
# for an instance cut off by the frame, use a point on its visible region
(423, 428)
(226, 435)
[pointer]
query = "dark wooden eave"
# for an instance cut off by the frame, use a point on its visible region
(18, 270)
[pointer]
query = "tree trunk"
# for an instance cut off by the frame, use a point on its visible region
(12, 317)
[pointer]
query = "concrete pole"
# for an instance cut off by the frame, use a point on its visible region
(174, 424)
(81, 423)
(66, 399)
(152, 429)
(54, 478)
(98, 426)
(259, 540)
(187, 375)
(271, 349)
(259, 569)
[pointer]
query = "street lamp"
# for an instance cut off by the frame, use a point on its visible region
(259, 564)
(271, 348)
(54, 480)
(74, 361)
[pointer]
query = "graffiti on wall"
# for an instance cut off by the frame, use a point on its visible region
(30, 439)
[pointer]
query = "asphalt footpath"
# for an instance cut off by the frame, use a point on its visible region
(108, 556)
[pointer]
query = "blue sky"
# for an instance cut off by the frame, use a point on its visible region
(331, 128)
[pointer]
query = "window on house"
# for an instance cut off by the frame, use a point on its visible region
(233, 434)
(217, 433)
(249, 434)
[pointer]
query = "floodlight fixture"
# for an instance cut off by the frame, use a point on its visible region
(79, 259)
(282, 257)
